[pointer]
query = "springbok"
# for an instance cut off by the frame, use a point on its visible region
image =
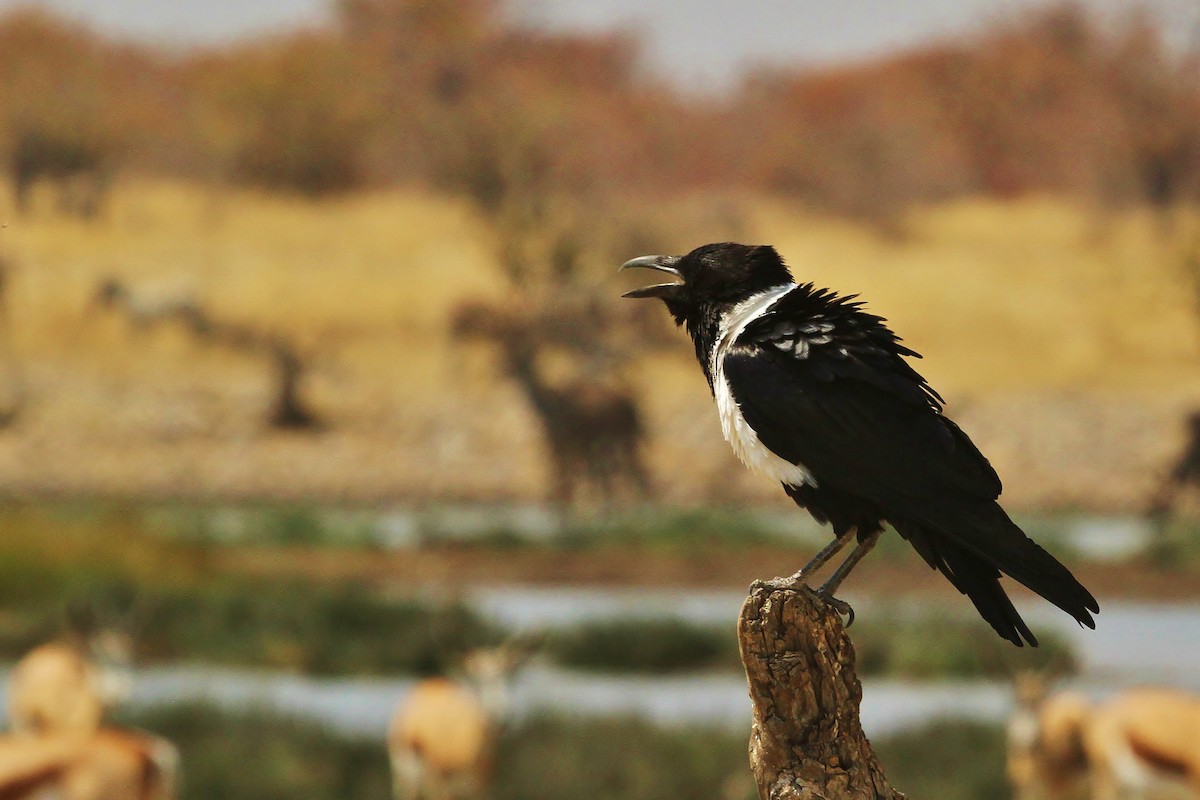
(104, 765)
(58, 694)
(66, 687)
(442, 737)
(1046, 758)
(1184, 475)
(147, 304)
(1142, 744)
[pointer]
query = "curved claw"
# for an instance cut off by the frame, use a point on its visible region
(840, 606)
(795, 581)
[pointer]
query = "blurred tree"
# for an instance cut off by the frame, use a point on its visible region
(504, 119)
(458, 96)
(55, 123)
(77, 97)
(1051, 99)
(1159, 102)
(288, 114)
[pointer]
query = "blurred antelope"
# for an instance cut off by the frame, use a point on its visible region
(442, 737)
(77, 166)
(1142, 744)
(1046, 757)
(592, 427)
(104, 765)
(67, 686)
(147, 304)
(1184, 475)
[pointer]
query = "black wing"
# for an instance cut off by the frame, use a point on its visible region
(837, 388)
(849, 408)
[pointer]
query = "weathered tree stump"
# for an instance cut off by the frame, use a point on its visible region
(806, 740)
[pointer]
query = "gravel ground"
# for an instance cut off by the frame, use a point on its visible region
(1096, 452)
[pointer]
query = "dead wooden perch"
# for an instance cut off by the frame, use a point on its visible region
(806, 740)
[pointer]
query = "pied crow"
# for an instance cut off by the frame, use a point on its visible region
(816, 393)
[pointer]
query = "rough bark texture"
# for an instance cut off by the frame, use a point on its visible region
(806, 742)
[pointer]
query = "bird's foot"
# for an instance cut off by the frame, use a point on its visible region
(798, 581)
(790, 582)
(840, 606)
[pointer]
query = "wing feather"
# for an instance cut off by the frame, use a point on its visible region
(853, 430)
(858, 436)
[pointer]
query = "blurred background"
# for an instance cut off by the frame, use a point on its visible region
(314, 375)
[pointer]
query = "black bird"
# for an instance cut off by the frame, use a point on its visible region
(816, 393)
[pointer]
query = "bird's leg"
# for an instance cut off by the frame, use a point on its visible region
(835, 580)
(819, 560)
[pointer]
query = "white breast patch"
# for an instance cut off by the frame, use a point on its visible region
(741, 437)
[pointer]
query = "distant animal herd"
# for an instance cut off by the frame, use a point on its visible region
(1137, 744)
(60, 744)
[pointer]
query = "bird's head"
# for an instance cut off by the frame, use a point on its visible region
(711, 277)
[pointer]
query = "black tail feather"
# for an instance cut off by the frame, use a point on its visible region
(1004, 545)
(980, 581)
(973, 543)
(974, 577)
(985, 531)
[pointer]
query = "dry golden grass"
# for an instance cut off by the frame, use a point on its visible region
(1017, 296)
(1006, 300)
(313, 270)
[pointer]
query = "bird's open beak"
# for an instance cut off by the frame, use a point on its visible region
(662, 264)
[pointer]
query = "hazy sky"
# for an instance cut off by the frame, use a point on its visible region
(701, 44)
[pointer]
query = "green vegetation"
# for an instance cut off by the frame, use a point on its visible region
(548, 757)
(194, 527)
(665, 528)
(943, 646)
(911, 645)
(687, 528)
(640, 645)
(349, 630)
(116, 557)
(1176, 545)
(109, 558)
(262, 523)
(946, 760)
(314, 629)
(258, 754)
(619, 759)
